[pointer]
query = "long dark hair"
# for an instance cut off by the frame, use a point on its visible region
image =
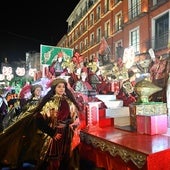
(51, 94)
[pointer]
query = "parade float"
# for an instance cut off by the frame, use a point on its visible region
(118, 89)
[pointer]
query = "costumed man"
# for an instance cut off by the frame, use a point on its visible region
(17, 107)
(52, 70)
(104, 86)
(93, 79)
(24, 135)
(35, 98)
(126, 92)
(16, 111)
(158, 77)
(82, 85)
(58, 65)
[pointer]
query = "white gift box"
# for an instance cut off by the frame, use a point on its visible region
(105, 97)
(111, 104)
(117, 112)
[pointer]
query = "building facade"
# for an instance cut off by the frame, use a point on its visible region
(141, 24)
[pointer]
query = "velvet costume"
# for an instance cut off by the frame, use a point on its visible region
(57, 114)
(29, 139)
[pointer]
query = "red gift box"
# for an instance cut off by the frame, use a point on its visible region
(97, 117)
(106, 122)
(92, 114)
(168, 121)
(115, 86)
(152, 125)
(102, 113)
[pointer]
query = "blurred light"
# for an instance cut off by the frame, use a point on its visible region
(6, 70)
(32, 72)
(2, 77)
(9, 77)
(20, 71)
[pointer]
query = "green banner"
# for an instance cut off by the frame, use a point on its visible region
(48, 54)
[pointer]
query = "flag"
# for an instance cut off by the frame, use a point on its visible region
(104, 48)
(104, 52)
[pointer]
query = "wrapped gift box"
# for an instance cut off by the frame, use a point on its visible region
(102, 113)
(96, 117)
(114, 103)
(152, 125)
(106, 122)
(168, 121)
(117, 112)
(92, 113)
(149, 109)
(110, 100)
(105, 97)
(132, 110)
(120, 115)
(115, 86)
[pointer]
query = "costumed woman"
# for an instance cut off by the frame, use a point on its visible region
(57, 116)
(36, 96)
(158, 76)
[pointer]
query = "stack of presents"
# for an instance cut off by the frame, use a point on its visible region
(145, 118)
(98, 116)
(149, 118)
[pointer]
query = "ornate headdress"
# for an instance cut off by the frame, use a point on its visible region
(57, 81)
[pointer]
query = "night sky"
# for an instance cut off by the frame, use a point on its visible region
(25, 25)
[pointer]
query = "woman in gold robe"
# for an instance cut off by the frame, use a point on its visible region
(57, 116)
(44, 134)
